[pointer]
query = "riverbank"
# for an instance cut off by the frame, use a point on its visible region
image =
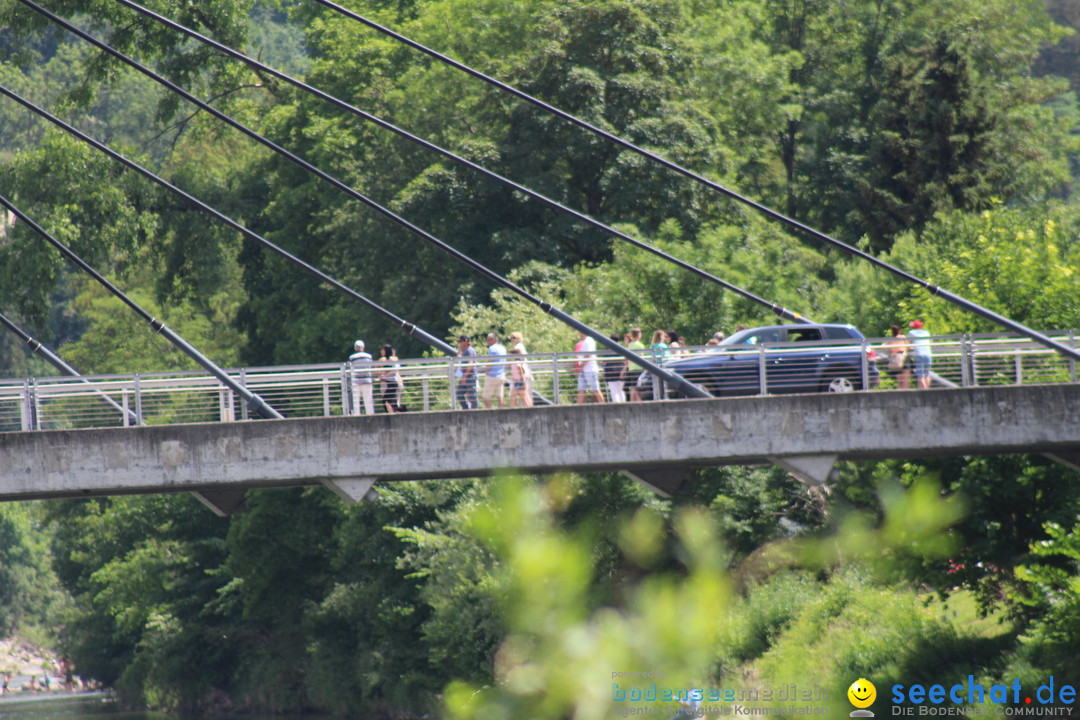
(29, 669)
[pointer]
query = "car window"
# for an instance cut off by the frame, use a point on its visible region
(807, 335)
(761, 336)
(791, 333)
(842, 333)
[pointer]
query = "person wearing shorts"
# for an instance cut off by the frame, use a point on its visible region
(920, 348)
(588, 370)
(495, 377)
(521, 380)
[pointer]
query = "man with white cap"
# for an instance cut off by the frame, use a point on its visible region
(360, 370)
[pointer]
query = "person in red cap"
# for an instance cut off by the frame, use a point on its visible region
(920, 349)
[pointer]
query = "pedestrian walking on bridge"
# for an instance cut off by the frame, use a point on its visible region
(920, 348)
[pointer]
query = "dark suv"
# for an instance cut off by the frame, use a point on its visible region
(795, 358)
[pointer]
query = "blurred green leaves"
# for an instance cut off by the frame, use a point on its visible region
(558, 655)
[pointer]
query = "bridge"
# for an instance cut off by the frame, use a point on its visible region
(184, 431)
(655, 443)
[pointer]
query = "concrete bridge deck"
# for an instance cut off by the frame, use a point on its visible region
(654, 442)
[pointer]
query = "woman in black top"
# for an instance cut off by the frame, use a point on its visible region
(389, 380)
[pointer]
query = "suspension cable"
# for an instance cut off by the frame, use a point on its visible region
(679, 383)
(779, 310)
(57, 362)
(254, 402)
(934, 290)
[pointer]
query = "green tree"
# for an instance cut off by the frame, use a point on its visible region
(932, 150)
(180, 268)
(30, 598)
(85, 201)
(615, 65)
(1051, 583)
(747, 86)
(673, 615)
(367, 643)
(871, 82)
(193, 66)
(278, 559)
(640, 289)
(1018, 262)
(1012, 499)
(627, 85)
(116, 340)
(137, 568)
(1061, 59)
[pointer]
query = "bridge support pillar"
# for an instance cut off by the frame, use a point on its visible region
(810, 469)
(222, 502)
(665, 482)
(353, 490)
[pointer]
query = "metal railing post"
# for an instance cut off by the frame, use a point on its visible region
(762, 385)
(864, 364)
(974, 365)
(125, 420)
(1018, 365)
(36, 397)
(451, 376)
(973, 362)
(967, 361)
(1072, 362)
(243, 405)
(26, 407)
(138, 401)
(555, 378)
(326, 397)
(657, 386)
(346, 389)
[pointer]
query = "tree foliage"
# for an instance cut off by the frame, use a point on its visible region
(29, 595)
(969, 255)
(883, 88)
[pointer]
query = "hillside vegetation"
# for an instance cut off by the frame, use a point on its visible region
(940, 135)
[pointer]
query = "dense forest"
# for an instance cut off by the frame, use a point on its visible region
(942, 136)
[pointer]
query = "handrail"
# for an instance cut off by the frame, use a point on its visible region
(327, 388)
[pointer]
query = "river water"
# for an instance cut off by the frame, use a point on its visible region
(89, 707)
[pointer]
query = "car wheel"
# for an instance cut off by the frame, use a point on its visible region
(840, 383)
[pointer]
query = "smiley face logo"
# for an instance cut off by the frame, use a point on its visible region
(862, 693)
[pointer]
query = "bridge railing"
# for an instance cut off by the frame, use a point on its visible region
(431, 383)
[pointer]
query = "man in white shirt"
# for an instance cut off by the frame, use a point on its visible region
(360, 371)
(588, 370)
